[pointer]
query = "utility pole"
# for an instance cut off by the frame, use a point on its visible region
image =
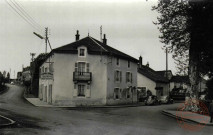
(166, 63)
(32, 54)
(46, 38)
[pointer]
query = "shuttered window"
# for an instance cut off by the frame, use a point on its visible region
(118, 76)
(129, 77)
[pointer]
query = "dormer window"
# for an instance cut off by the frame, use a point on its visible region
(82, 52)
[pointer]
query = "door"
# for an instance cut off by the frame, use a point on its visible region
(45, 94)
(81, 67)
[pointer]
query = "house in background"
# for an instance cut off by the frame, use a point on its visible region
(88, 72)
(26, 76)
(179, 82)
(19, 77)
(148, 79)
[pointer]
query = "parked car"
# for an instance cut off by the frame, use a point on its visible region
(166, 100)
(152, 100)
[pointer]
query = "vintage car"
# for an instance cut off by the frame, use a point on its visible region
(166, 100)
(152, 100)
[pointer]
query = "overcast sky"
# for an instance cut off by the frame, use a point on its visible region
(127, 24)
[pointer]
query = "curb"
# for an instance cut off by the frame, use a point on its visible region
(10, 123)
(184, 119)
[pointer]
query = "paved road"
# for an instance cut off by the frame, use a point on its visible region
(143, 120)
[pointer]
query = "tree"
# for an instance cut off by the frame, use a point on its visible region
(186, 29)
(8, 77)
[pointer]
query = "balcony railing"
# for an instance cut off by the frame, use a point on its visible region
(82, 76)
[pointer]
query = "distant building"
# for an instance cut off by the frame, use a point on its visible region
(88, 72)
(19, 77)
(179, 82)
(26, 77)
(148, 79)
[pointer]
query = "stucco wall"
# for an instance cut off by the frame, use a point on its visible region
(146, 82)
(122, 85)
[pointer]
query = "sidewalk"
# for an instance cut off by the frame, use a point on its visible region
(189, 116)
(4, 121)
(37, 102)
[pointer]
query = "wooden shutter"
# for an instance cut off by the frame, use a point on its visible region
(76, 67)
(126, 76)
(88, 91)
(75, 91)
(87, 67)
(115, 75)
(120, 76)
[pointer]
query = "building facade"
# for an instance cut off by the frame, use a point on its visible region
(150, 80)
(88, 73)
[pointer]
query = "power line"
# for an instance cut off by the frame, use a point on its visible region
(26, 14)
(21, 15)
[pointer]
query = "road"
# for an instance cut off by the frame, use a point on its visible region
(143, 120)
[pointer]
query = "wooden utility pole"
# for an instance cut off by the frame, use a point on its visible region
(32, 54)
(46, 38)
(166, 63)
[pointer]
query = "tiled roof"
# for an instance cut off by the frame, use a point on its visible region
(180, 79)
(94, 47)
(151, 74)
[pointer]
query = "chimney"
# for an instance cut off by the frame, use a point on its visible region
(140, 61)
(147, 64)
(77, 36)
(104, 39)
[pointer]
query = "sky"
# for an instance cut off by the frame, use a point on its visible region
(128, 25)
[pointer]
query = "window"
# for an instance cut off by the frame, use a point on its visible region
(81, 90)
(42, 69)
(118, 76)
(128, 93)
(46, 70)
(81, 67)
(116, 93)
(82, 52)
(117, 61)
(128, 77)
(128, 65)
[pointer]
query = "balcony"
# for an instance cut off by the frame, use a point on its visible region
(82, 77)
